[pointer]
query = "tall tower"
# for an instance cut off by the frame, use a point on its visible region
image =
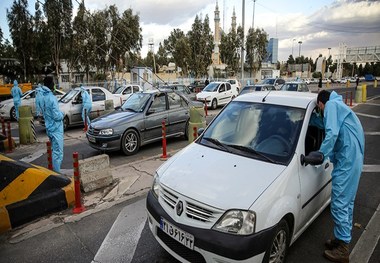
(215, 53)
(233, 23)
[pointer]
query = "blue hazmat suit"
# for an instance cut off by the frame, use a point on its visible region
(39, 100)
(86, 105)
(344, 146)
(54, 126)
(16, 94)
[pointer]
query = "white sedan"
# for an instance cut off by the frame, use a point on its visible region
(125, 91)
(7, 109)
(248, 187)
(216, 94)
(71, 104)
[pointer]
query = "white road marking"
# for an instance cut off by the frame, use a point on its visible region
(371, 168)
(33, 156)
(368, 115)
(121, 241)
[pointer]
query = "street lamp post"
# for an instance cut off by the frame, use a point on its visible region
(299, 50)
(242, 44)
(253, 16)
(293, 46)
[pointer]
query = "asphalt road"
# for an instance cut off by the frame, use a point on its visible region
(86, 239)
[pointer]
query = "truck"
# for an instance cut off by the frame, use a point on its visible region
(5, 90)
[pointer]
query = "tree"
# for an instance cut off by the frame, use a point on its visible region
(58, 14)
(256, 48)
(21, 31)
(201, 45)
(230, 50)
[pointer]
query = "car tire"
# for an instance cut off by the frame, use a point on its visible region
(66, 123)
(130, 142)
(214, 104)
(278, 248)
(12, 113)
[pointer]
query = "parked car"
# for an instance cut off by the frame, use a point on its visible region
(295, 86)
(182, 89)
(216, 94)
(71, 104)
(7, 109)
(276, 82)
(138, 121)
(245, 190)
(125, 91)
(235, 84)
(196, 86)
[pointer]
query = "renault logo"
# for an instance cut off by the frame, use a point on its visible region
(179, 208)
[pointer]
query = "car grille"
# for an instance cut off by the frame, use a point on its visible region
(179, 249)
(192, 210)
(93, 131)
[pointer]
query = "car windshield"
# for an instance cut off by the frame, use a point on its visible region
(289, 87)
(69, 96)
(29, 92)
(211, 87)
(268, 81)
(261, 131)
(136, 102)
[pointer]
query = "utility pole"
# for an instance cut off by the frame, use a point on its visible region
(299, 50)
(242, 44)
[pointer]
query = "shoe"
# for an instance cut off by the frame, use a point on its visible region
(340, 254)
(331, 243)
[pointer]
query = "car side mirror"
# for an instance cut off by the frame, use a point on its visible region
(313, 158)
(200, 131)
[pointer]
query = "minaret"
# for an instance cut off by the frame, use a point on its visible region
(233, 23)
(215, 53)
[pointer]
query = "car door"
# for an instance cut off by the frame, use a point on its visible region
(315, 180)
(75, 109)
(127, 92)
(178, 114)
(98, 102)
(155, 114)
(222, 94)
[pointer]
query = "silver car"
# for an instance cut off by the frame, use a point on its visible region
(139, 121)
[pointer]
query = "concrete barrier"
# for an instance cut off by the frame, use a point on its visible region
(29, 191)
(95, 172)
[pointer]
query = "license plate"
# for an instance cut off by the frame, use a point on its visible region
(174, 232)
(91, 139)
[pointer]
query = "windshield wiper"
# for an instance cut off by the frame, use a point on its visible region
(250, 150)
(216, 142)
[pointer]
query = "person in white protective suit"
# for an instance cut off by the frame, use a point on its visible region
(344, 146)
(16, 94)
(86, 105)
(53, 123)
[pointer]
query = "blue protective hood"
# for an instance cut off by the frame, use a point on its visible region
(15, 82)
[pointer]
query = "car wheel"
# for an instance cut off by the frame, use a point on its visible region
(130, 142)
(214, 104)
(66, 123)
(12, 113)
(278, 249)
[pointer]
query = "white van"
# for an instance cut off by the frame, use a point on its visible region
(244, 190)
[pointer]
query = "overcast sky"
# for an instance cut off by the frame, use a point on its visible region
(319, 24)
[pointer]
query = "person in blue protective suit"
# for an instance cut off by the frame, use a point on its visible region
(53, 123)
(16, 94)
(39, 100)
(344, 145)
(86, 105)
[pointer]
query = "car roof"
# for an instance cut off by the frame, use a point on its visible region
(293, 99)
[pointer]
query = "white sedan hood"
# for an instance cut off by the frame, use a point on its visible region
(203, 95)
(218, 178)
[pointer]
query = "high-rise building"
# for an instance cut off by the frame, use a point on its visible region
(272, 51)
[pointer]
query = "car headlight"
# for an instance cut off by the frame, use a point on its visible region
(106, 132)
(237, 222)
(155, 186)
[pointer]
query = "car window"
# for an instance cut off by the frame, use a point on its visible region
(228, 86)
(232, 81)
(98, 95)
(69, 96)
(175, 101)
(159, 103)
(212, 87)
(222, 88)
(128, 90)
(136, 89)
(136, 102)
